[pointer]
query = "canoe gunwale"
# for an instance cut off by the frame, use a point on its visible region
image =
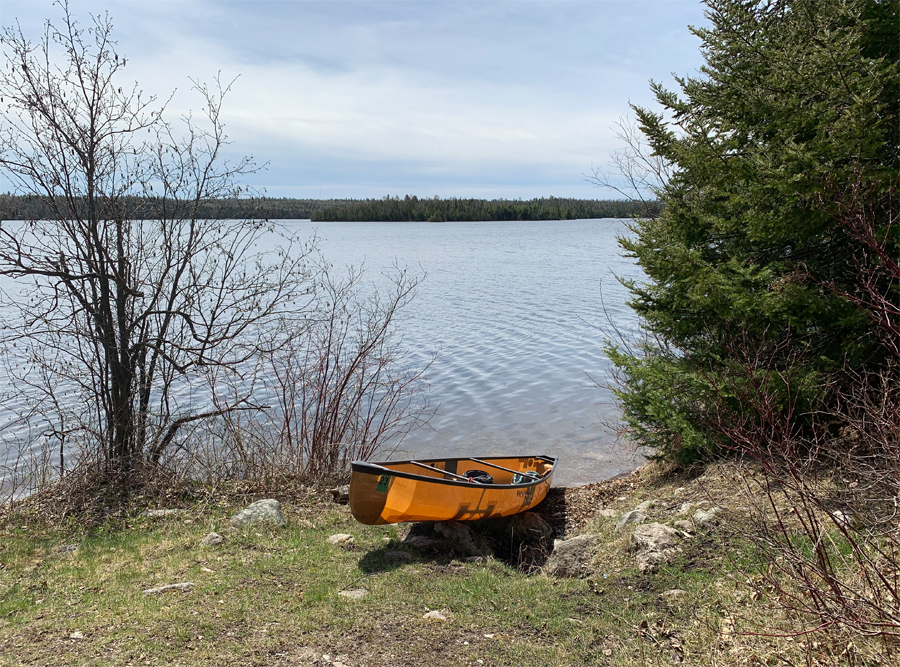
(379, 468)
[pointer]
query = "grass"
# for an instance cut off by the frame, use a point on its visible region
(270, 596)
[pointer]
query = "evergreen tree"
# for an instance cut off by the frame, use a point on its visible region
(792, 122)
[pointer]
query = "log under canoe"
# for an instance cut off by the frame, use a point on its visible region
(446, 489)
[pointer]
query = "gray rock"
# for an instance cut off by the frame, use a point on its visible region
(646, 505)
(184, 587)
(341, 539)
(685, 526)
(572, 558)
(162, 514)
(672, 595)
(262, 511)
(707, 518)
(447, 537)
(354, 594)
(685, 508)
(340, 494)
(212, 540)
(633, 517)
(653, 544)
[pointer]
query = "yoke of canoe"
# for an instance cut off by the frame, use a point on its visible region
(440, 490)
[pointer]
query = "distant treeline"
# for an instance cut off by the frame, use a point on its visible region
(410, 208)
(438, 210)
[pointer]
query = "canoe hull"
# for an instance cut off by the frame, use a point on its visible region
(399, 491)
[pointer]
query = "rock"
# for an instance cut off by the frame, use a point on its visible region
(629, 518)
(340, 494)
(707, 518)
(685, 508)
(212, 540)
(572, 558)
(447, 537)
(262, 511)
(162, 514)
(672, 595)
(397, 556)
(341, 539)
(184, 587)
(685, 526)
(845, 519)
(435, 616)
(644, 506)
(421, 542)
(606, 513)
(354, 594)
(76, 635)
(653, 544)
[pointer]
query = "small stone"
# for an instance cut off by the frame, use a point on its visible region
(435, 616)
(212, 540)
(340, 494)
(707, 518)
(184, 587)
(685, 526)
(262, 511)
(672, 595)
(341, 539)
(162, 514)
(629, 518)
(76, 635)
(397, 556)
(354, 594)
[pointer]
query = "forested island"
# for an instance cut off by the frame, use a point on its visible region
(435, 209)
(407, 209)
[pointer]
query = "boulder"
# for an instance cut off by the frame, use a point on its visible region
(262, 511)
(633, 517)
(446, 537)
(653, 544)
(572, 558)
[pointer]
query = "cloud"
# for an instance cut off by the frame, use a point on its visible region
(519, 94)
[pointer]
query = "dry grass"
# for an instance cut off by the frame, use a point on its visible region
(270, 596)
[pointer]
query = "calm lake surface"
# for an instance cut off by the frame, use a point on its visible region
(517, 312)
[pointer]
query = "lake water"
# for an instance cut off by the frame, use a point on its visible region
(517, 312)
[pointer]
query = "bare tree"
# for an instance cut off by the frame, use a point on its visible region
(129, 297)
(635, 172)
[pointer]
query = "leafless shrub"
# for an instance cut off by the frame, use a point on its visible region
(339, 388)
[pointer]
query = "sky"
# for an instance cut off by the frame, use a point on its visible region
(493, 99)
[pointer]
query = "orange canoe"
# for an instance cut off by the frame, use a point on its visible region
(448, 489)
